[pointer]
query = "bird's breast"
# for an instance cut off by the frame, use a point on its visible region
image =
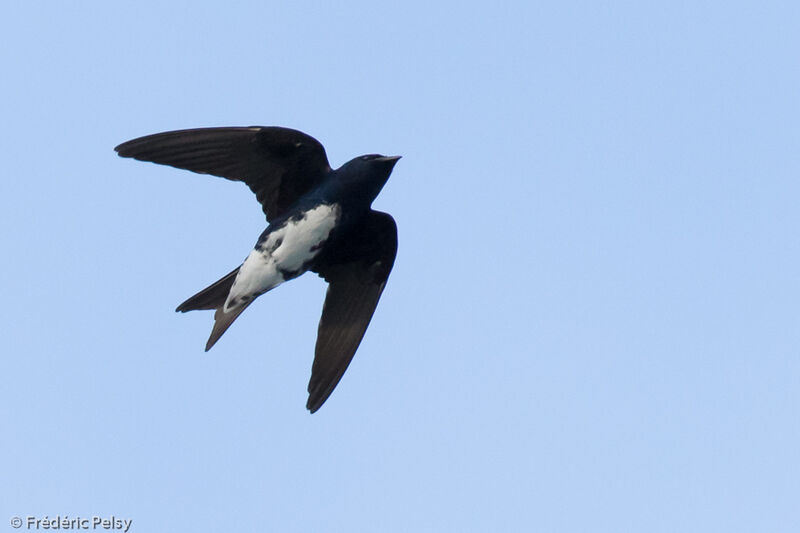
(301, 237)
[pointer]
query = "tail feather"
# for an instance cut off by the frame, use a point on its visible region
(222, 321)
(212, 297)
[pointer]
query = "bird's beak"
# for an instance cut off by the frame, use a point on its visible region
(389, 158)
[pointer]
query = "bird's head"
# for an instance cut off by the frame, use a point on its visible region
(365, 176)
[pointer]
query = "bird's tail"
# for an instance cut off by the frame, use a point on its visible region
(212, 297)
(222, 321)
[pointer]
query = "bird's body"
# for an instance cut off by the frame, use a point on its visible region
(283, 252)
(319, 219)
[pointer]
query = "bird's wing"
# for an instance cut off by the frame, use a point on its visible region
(356, 272)
(278, 164)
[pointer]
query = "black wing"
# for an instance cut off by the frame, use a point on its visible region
(356, 270)
(278, 164)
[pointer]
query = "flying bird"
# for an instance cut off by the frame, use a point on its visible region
(319, 220)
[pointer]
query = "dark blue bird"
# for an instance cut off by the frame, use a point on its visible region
(319, 220)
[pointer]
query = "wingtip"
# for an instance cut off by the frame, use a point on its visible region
(120, 148)
(317, 398)
(312, 408)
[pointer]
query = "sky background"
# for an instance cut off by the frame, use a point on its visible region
(593, 323)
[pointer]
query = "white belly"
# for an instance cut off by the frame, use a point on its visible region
(284, 254)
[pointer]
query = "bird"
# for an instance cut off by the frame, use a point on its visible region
(319, 220)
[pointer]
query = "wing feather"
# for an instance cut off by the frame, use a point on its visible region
(278, 164)
(356, 275)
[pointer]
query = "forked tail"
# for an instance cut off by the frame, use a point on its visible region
(213, 297)
(222, 321)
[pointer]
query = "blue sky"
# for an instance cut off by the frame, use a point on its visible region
(593, 320)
